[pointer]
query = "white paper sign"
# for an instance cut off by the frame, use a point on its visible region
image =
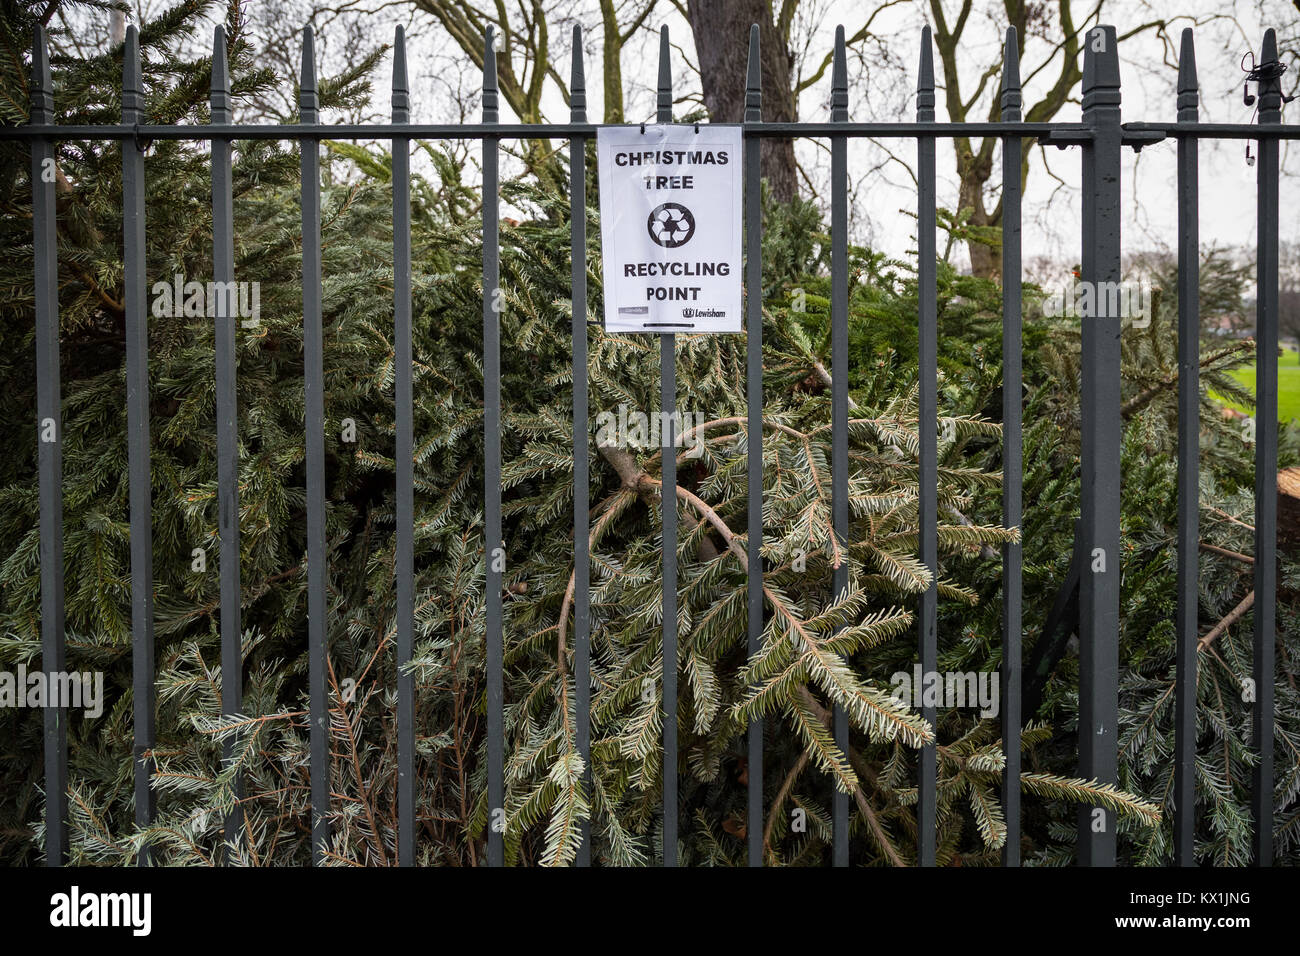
(670, 201)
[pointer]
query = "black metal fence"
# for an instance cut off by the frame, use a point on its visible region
(1100, 136)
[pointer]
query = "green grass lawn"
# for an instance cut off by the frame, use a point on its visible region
(1288, 384)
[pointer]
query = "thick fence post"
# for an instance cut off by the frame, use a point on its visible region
(1266, 316)
(49, 448)
(1100, 444)
(493, 543)
(1189, 453)
(135, 305)
(404, 446)
(223, 337)
(1012, 448)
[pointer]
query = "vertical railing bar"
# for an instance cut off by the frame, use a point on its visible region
(1100, 429)
(668, 508)
(403, 398)
(840, 403)
(1189, 453)
(581, 427)
(927, 435)
(494, 545)
(1012, 448)
(137, 424)
(314, 403)
(754, 427)
(49, 423)
(224, 312)
(1266, 429)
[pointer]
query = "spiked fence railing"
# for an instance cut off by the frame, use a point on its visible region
(1101, 137)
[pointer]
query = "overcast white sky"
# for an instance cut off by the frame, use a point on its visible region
(883, 81)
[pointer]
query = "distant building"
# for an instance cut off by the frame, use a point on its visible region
(1229, 326)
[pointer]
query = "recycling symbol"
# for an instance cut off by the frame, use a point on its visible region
(671, 225)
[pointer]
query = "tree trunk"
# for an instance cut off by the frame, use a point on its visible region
(721, 30)
(613, 51)
(985, 261)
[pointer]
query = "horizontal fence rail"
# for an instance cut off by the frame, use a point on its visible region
(1101, 137)
(1053, 133)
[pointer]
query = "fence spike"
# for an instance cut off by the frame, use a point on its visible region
(753, 80)
(1268, 52)
(664, 100)
(131, 69)
(1101, 68)
(1188, 86)
(401, 100)
(925, 79)
(1012, 101)
(42, 101)
(491, 105)
(220, 87)
(307, 94)
(399, 60)
(840, 80)
(1270, 84)
(577, 81)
